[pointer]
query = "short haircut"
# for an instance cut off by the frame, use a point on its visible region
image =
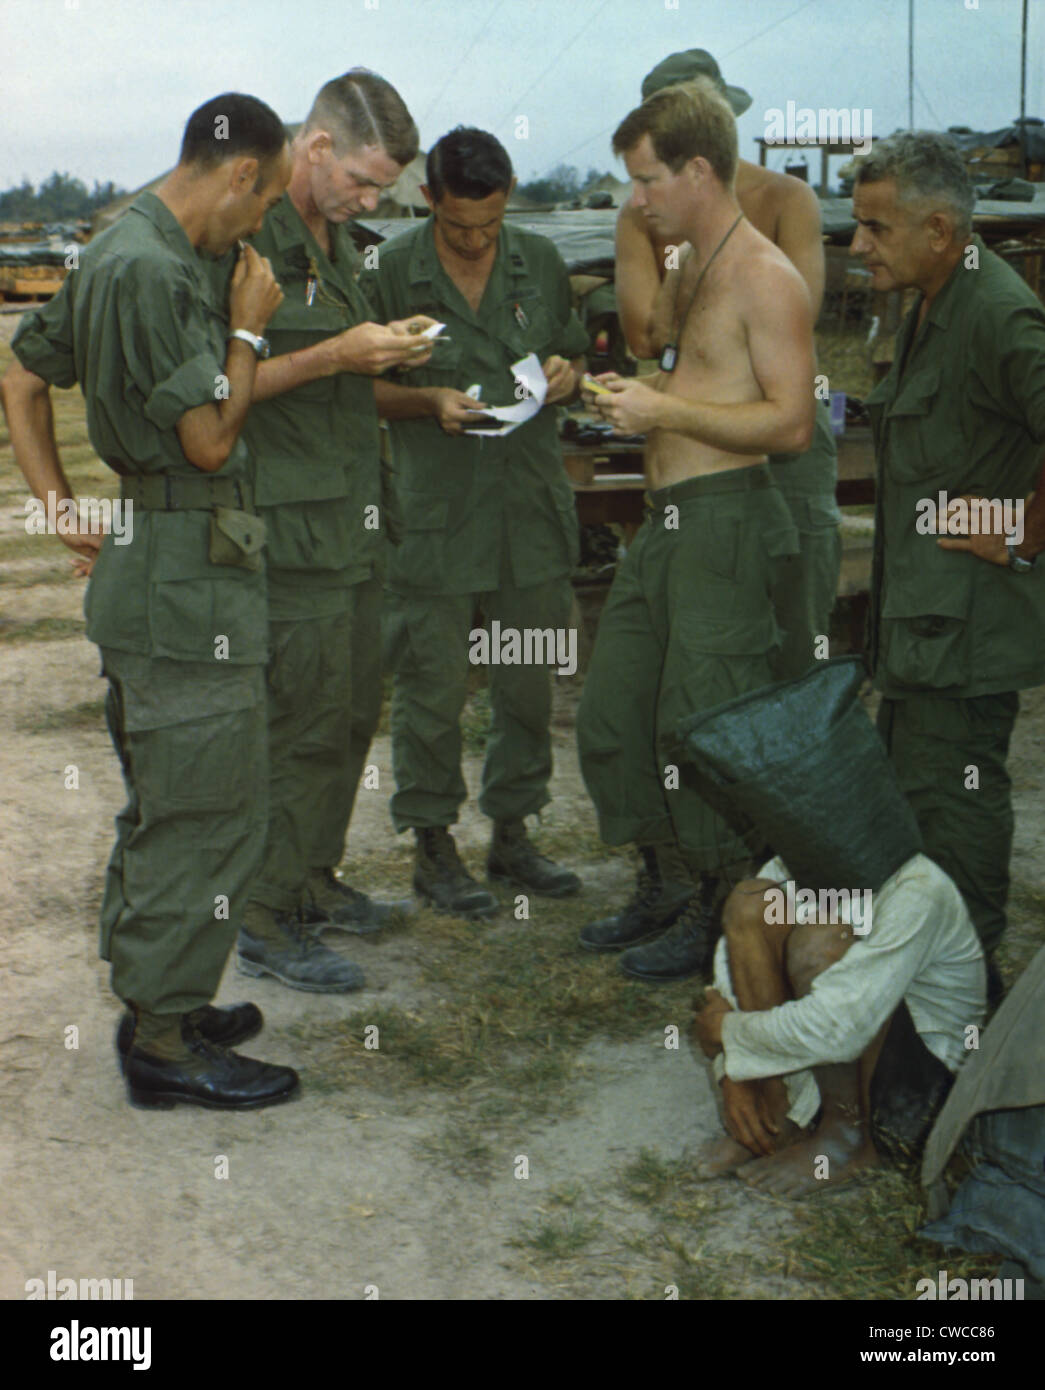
(233, 126)
(928, 168)
(362, 109)
(468, 163)
(682, 122)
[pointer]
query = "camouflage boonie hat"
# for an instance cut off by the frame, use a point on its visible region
(684, 67)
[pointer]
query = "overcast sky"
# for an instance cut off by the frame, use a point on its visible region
(102, 88)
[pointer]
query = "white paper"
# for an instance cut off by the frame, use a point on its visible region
(527, 372)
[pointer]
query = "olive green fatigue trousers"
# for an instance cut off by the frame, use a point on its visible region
(689, 623)
(427, 647)
(949, 757)
(808, 585)
(191, 740)
(324, 703)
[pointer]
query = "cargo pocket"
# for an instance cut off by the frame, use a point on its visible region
(928, 650)
(192, 601)
(207, 771)
(711, 660)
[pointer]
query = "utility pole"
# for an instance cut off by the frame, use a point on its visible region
(1023, 89)
(910, 61)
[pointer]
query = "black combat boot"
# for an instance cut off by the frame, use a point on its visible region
(687, 948)
(340, 905)
(443, 881)
(655, 904)
(277, 944)
(515, 861)
(182, 1066)
(225, 1026)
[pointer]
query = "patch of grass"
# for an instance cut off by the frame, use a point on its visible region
(862, 1243)
(34, 575)
(88, 715)
(560, 1237)
(650, 1179)
(20, 545)
(702, 1274)
(40, 630)
(463, 1147)
(475, 721)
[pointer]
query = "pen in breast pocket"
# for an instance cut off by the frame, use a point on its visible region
(520, 317)
(310, 291)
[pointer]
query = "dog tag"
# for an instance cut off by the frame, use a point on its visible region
(669, 357)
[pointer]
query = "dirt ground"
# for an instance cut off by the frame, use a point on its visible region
(381, 1175)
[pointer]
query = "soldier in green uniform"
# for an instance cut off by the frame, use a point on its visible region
(179, 612)
(786, 211)
(961, 413)
(315, 453)
(488, 522)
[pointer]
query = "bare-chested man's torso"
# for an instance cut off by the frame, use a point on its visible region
(714, 362)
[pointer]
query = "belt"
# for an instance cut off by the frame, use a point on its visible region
(177, 492)
(749, 478)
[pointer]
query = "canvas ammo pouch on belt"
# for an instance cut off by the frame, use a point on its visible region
(803, 763)
(237, 533)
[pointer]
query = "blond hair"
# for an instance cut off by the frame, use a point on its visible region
(683, 122)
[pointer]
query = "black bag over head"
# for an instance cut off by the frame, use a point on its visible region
(803, 763)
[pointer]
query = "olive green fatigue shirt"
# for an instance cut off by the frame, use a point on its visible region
(961, 411)
(136, 325)
(315, 451)
(470, 505)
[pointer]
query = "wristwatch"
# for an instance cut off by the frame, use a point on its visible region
(1016, 562)
(260, 345)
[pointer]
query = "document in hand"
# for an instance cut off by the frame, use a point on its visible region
(527, 372)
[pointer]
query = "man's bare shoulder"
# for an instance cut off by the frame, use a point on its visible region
(773, 195)
(762, 270)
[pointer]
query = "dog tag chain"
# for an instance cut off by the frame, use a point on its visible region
(670, 356)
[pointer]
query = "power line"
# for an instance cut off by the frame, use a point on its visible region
(782, 20)
(609, 129)
(557, 59)
(495, 9)
(928, 103)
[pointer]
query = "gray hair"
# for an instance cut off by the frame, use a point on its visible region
(927, 167)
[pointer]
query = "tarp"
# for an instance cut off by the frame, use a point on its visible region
(1006, 1071)
(1034, 138)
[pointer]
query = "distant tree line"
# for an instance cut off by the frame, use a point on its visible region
(563, 184)
(60, 198)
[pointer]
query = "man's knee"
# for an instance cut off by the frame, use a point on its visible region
(812, 948)
(745, 908)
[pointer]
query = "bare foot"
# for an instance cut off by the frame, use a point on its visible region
(720, 1156)
(726, 1154)
(831, 1156)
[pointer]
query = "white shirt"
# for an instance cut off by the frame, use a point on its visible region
(922, 948)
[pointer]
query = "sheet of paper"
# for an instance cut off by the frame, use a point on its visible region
(527, 372)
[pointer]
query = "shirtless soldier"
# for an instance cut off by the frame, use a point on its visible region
(689, 622)
(787, 211)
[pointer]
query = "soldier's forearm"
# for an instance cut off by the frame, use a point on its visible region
(30, 421)
(753, 427)
(404, 402)
(276, 375)
(1033, 542)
